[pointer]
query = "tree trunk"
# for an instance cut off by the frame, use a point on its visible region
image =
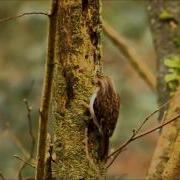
(77, 60)
(164, 21)
(172, 169)
(167, 149)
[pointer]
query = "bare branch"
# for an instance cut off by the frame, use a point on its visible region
(30, 127)
(31, 136)
(136, 131)
(24, 161)
(134, 137)
(17, 142)
(154, 112)
(132, 56)
(156, 128)
(3, 20)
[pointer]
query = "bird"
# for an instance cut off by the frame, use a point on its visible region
(104, 110)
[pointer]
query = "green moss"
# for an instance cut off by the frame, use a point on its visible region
(71, 88)
(176, 41)
(173, 76)
(165, 15)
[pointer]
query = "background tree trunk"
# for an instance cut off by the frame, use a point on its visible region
(164, 20)
(77, 59)
(166, 148)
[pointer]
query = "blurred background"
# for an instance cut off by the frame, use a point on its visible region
(23, 44)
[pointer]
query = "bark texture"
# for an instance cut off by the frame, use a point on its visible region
(165, 25)
(171, 170)
(77, 60)
(167, 147)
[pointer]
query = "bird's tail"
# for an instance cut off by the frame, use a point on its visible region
(104, 147)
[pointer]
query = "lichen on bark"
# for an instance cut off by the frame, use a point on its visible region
(77, 59)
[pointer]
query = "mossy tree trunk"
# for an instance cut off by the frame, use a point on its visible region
(77, 60)
(165, 25)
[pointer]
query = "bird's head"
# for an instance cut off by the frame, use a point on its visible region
(105, 84)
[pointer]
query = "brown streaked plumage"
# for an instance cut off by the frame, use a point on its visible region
(104, 108)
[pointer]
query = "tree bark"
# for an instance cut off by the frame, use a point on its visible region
(77, 60)
(167, 149)
(171, 170)
(164, 21)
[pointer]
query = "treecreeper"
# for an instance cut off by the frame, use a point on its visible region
(104, 110)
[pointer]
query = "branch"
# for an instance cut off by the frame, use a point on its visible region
(134, 137)
(24, 161)
(17, 142)
(31, 136)
(129, 52)
(154, 112)
(3, 20)
(30, 127)
(46, 94)
(135, 132)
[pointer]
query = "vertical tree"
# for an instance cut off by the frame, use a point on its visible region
(73, 60)
(164, 20)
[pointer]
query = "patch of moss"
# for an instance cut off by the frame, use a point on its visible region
(176, 41)
(165, 15)
(173, 76)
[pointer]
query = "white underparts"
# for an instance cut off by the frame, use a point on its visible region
(91, 109)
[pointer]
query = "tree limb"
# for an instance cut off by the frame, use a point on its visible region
(3, 20)
(133, 137)
(46, 95)
(32, 139)
(129, 52)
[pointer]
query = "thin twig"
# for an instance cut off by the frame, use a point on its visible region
(154, 112)
(32, 137)
(136, 131)
(24, 161)
(156, 128)
(134, 137)
(3, 20)
(129, 52)
(30, 127)
(18, 142)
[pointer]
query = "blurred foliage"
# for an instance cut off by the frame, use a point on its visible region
(23, 44)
